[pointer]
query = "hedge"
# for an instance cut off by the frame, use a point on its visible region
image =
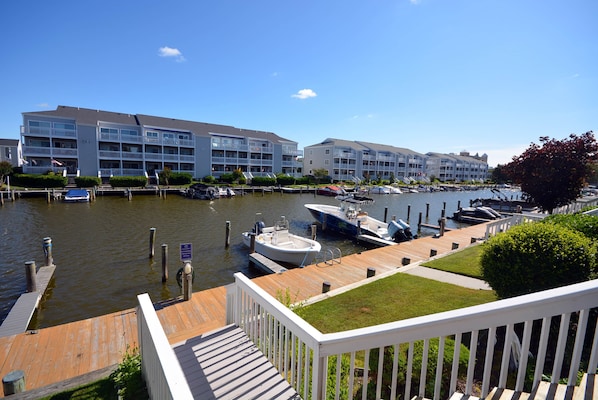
(537, 256)
(128, 181)
(263, 181)
(39, 181)
(87, 181)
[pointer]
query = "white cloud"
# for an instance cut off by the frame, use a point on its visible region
(171, 52)
(304, 94)
(43, 105)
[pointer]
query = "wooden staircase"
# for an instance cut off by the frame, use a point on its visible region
(587, 390)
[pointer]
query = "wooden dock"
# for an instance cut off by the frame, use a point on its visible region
(265, 264)
(21, 313)
(52, 355)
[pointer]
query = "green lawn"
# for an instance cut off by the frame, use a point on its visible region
(398, 297)
(465, 262)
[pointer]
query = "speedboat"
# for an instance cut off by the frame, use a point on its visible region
(278, 244)
(76, 196)
(393, 189)
(225, 192)
(379, 190)
(476, 215)
(330, 190)
(349, 219)
(202, 192)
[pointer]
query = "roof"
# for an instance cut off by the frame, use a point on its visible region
(86, 116)
(9, 142)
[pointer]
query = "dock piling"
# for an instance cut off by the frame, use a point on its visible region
(227, 239)
(252, 242)
(164, 262)
(325, 287)
(187, 281)
(30, 272)
(406, 261)
(455, 246)
(385, 213)
(13, 382)
(49, 260)
(408, 212)
(371, 272)
(152, 240)
(433, 252)
(314, 230)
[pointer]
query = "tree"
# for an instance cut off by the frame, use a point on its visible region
(498, 174)
(554, 173)
(320, 174)
(5, 170)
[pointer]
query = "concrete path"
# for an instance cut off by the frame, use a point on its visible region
(448, 277)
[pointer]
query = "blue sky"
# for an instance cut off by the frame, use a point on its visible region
(485, 76)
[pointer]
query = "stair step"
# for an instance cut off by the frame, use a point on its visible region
(506, 394)
(588, 388)
(547, 390)
(461, 396)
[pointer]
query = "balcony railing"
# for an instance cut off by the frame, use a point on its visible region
(505, 339)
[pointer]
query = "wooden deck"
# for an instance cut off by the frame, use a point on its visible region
(66, 351)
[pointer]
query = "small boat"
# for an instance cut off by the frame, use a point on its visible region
(278, 244)
(226, 192)
(76, 196)
(379, 190)
(349, 219)
(393, 189)
(202, 192)
(330, 190)
(476, 215)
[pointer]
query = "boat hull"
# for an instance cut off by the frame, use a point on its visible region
(333, 218)
(295, 251)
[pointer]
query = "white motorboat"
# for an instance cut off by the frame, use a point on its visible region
(349, 219)
(278, 244)
(76, 196)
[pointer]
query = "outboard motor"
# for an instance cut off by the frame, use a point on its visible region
(259, 227)
(399, 231)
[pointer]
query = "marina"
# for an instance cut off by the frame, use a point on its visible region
(98, 344)
(100, 247)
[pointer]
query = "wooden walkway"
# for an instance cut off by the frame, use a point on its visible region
(63, 352)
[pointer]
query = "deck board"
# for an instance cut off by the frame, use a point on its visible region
(65, 351)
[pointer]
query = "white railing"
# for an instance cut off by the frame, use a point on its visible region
(161, 370)
(504, 224)
(507, 344)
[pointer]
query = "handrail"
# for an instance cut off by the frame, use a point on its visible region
(299, 351)
(161, 370)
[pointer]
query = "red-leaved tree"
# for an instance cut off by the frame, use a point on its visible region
(554, 173)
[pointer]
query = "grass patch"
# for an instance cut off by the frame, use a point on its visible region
(463, 262)
(398, 297)
(103, 389)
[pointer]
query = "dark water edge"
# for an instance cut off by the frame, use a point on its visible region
(101, 249)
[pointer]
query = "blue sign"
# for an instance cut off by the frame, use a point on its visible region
(186, 252)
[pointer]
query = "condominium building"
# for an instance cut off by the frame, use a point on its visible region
(101, 143)
(461, 167)
(11, 150)
(355, 160)
(346, 160)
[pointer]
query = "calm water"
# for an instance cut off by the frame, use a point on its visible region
(101, 249)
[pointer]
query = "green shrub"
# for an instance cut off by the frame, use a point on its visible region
(87, 181)
(263, 181)
(227, 178)
(39, 181)
(538, 256)
(285, 180)
(128, 181)
(433, 347)
(584, 223)
(180, 178)
(127, 377)
(304, 180)
(208, 179)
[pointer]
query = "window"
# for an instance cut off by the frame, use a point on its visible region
(326, 162)
(109, 130)
(129, 132)
(151, 134)
(40, 124)
(59, 125)
(327, 151)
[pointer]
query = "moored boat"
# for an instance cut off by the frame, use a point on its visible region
(278, 244)
(330, 190)
(475, 215)
(349, 219)
(76, 196)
